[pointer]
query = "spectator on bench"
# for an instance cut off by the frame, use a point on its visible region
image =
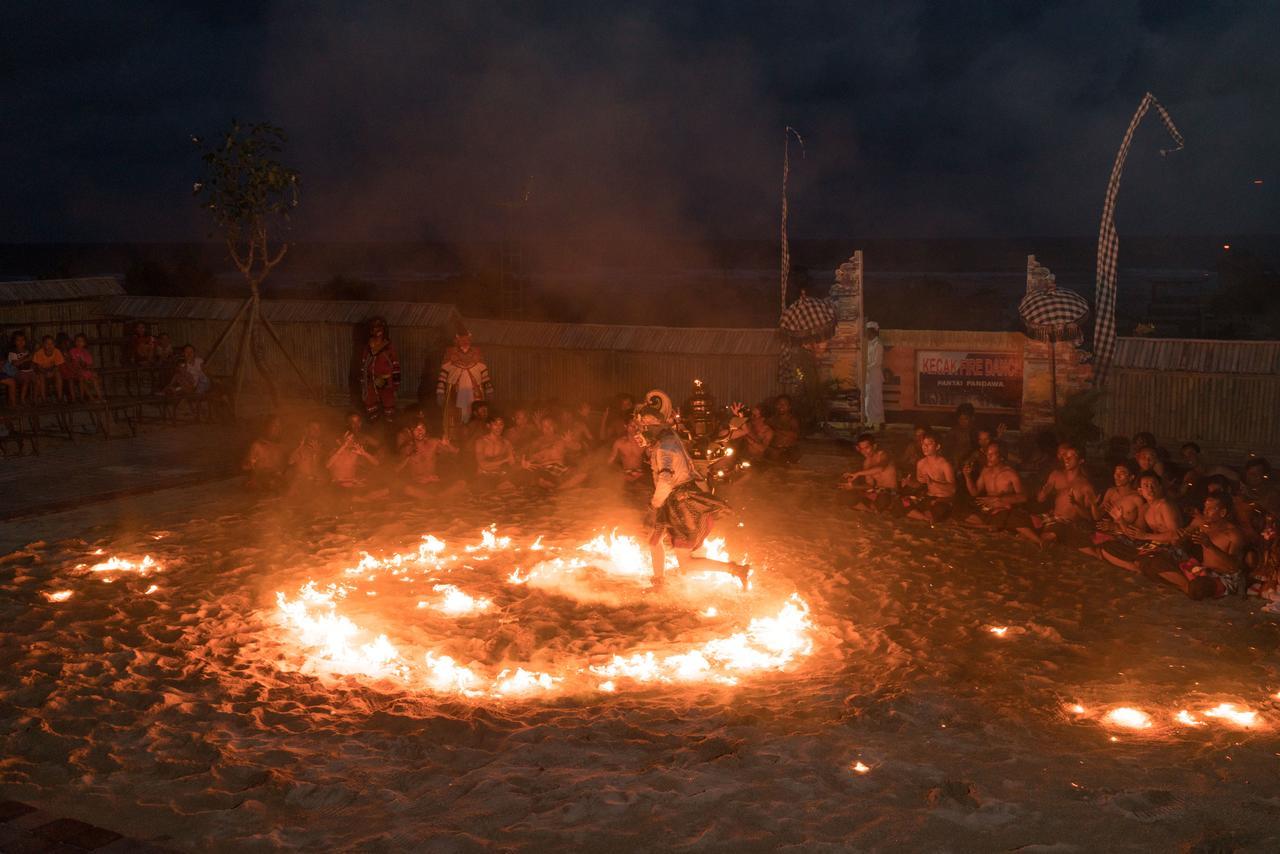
(48, 362)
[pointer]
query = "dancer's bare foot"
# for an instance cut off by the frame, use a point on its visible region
(742, 572)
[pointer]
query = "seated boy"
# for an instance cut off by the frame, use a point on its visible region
(48, 361)
(419, 461)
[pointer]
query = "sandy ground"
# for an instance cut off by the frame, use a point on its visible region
(186, 715)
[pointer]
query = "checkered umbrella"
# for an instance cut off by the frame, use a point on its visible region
(809, 319)
(1054, 313)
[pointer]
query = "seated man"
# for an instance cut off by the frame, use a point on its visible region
(628, 453)
(547, 455)
(419, 461)
(1158, 528)
(265, 461)
(1258, 494)
(878, 476)
(1212, 566)
(304, 463)
(1071, 520)
(932, 491)
(999, 496)
(1121, 503)
(494, 458)
(785, 444)
(347, 463)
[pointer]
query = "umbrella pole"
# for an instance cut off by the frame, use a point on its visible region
(1053, 376)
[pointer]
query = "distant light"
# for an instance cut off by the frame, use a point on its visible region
(1226, 246)
(1257, 182)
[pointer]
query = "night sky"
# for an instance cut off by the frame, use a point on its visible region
(410, 121)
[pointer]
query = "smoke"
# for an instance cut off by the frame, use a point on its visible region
(648, 122)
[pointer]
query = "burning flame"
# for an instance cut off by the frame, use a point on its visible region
(457, 602)
(860, 768)
(998, 631)
(333, 643)
(1129, 717)
(1231, 714)
(114, 564)
(58, 595)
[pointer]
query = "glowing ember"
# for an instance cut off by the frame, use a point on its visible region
(860, 768)
(1076, 709)
(1129, 718)
(998, 631)
(58, 595)
(1229, 713)
(152, 589)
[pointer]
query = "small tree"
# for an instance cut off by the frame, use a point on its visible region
(249, 194)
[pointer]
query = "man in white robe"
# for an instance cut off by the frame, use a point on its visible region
(873, 388)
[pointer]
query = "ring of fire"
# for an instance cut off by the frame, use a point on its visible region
(392, 618)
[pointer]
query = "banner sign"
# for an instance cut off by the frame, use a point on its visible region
(991, 381)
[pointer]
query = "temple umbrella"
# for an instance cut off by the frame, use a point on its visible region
(807, 320)
(1052, 314)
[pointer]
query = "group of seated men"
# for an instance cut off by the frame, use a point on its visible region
(1204, 529)
(541, 447)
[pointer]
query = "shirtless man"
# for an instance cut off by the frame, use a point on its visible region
(784, 447)
(352, 454)
(1220, 567)
(628, 453)
(304, 463)
(494, 457)
(938, 477)
(420, 461)
(1159, 524)
(998, 493)
(1122, 502)
(878, 476)
(547, 455)
(1071, 520)
(265, 461)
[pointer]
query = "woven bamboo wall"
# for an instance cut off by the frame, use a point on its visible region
(324, 351)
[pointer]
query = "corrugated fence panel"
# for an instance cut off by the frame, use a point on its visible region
(1230, 411)
(50, 318)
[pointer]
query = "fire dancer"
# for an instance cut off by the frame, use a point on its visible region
(464, 379)
(679, 508)
(379, 373)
